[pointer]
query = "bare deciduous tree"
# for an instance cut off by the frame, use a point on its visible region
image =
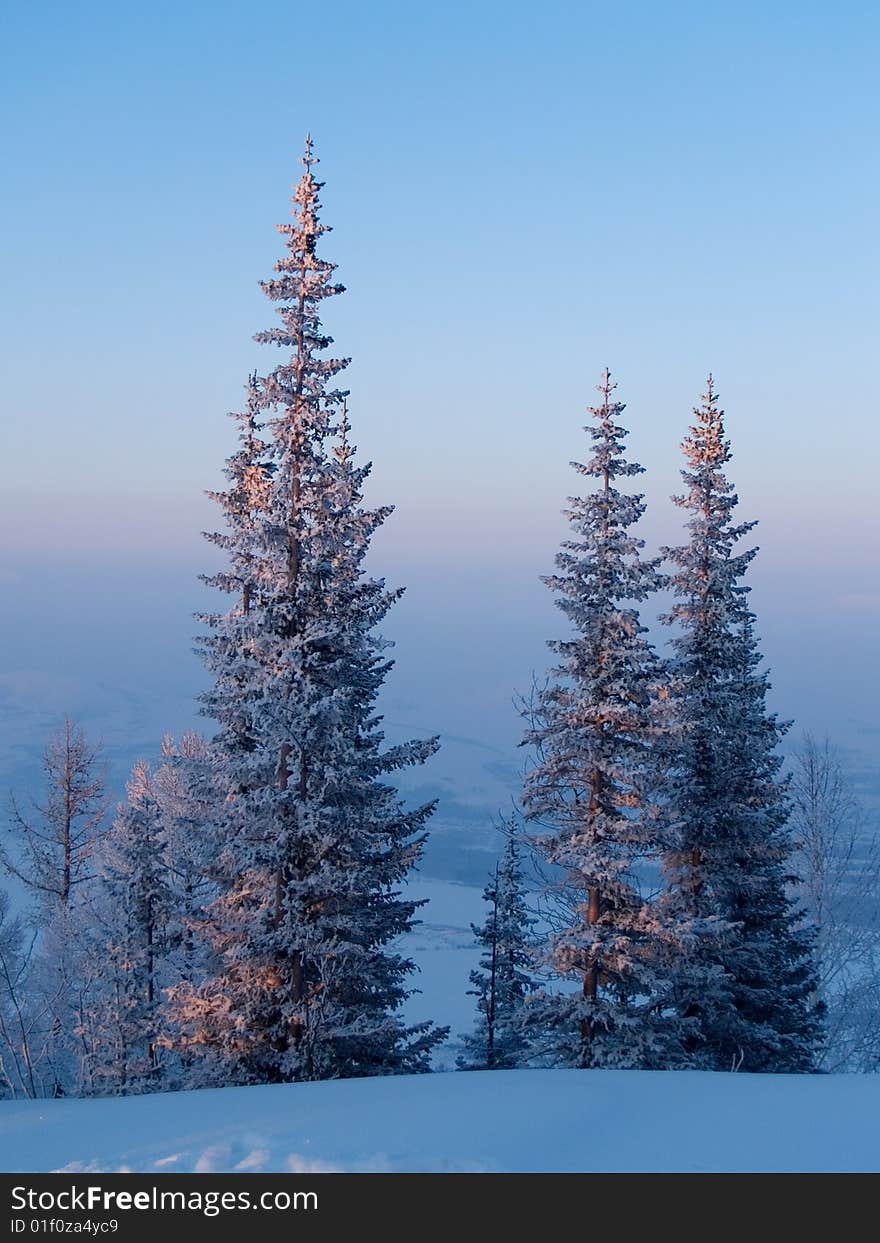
(51, 850)
(839, 868)
(56, 844)
(25, 1021)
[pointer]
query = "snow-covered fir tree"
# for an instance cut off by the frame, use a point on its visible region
(593, 726)
(145, 917)
(728, 849)
(133, 920)
(505, 975)
(312, 842)
(184, 787)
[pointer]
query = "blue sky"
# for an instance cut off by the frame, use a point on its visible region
(520, 194)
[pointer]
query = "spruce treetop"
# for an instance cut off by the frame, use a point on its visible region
(304, 280)
(601, 567)
(707, 567)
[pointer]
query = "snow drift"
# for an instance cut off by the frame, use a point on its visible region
(516, 1121)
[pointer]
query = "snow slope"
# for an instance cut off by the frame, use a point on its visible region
(488, 1121)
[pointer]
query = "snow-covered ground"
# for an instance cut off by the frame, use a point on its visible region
(504, 1121)
(515, 1121)
(527, 1120)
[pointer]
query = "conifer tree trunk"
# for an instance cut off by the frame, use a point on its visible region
(493, 975)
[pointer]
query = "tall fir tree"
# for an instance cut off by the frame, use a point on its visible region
(312, 843)
(505, 975)
(593, 726)
(728, 851)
